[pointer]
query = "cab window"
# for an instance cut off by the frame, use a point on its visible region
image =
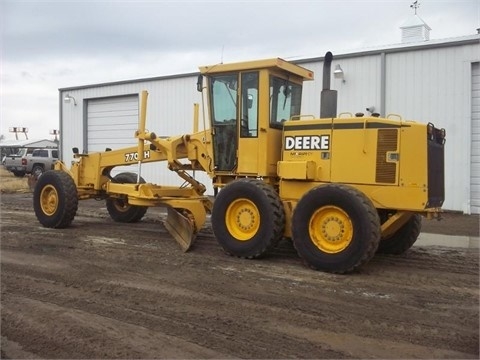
(249, 110)
(224, 99)
(285, 101)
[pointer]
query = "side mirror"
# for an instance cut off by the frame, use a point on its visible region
(249, 101)
(200, 83)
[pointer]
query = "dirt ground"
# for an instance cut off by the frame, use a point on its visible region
(105, 290)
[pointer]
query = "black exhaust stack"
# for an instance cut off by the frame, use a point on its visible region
(328, 100)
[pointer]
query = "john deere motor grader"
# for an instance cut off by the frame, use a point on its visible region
(342, 188)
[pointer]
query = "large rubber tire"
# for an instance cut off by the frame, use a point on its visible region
(403, 239)
(119, 209)
(55, 199)
(335, 228)
(248, 218)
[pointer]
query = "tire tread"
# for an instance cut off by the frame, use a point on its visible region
(403, 239)
(275, 205)
(374, 226)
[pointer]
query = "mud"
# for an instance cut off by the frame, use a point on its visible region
(105, 290)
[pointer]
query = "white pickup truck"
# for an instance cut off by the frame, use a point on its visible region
(36, 163)
(13, 162)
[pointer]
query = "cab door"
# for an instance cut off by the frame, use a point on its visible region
(248, 124)
(234, 110)
(224, 99)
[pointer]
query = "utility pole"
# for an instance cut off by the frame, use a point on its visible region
(19, 129)
(56, 133)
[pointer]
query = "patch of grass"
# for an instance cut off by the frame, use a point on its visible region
(9, 183)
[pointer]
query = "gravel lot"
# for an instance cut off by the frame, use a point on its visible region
(105, 290)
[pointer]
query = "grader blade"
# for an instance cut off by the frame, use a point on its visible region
(181, 228)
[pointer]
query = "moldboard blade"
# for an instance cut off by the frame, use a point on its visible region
(181, 228)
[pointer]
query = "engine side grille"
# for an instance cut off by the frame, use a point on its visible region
(436, 174)
(387, 140)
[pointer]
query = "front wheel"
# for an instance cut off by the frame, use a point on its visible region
(119, 208)
(335, 228)
(248, 218)
(55, 199)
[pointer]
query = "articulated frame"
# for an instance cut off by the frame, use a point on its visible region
(91, 173)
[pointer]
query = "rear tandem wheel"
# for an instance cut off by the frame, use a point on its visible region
(403, 239)
(335, 228)
(248, 218)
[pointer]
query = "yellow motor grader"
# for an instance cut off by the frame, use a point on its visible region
(341, 188)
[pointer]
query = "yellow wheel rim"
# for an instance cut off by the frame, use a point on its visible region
(121, 205)
(242, 219)
(330, 229)
(49, 200)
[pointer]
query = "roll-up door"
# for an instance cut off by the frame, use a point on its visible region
(111, 123)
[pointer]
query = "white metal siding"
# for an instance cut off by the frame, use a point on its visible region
(169, 112)
(434, 85)
(475, 154)
(360, 90)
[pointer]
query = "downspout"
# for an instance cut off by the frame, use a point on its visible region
(383, 84)
(85, 126)
(60, 125)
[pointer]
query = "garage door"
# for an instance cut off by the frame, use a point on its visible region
(475, 157)
(112, 122)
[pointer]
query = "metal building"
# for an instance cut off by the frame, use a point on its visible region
(434, 81)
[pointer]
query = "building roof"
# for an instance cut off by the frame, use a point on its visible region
(28, 143)
(399, 47)
(414, 21)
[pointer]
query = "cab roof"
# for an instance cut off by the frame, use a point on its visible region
(257, 65)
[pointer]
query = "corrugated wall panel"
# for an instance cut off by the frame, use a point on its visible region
(360, 90)
(475, 154)
(312, 89)
(431, 86)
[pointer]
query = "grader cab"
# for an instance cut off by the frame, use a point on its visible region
(341, 188)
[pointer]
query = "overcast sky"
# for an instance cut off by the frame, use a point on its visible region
(47, 45)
